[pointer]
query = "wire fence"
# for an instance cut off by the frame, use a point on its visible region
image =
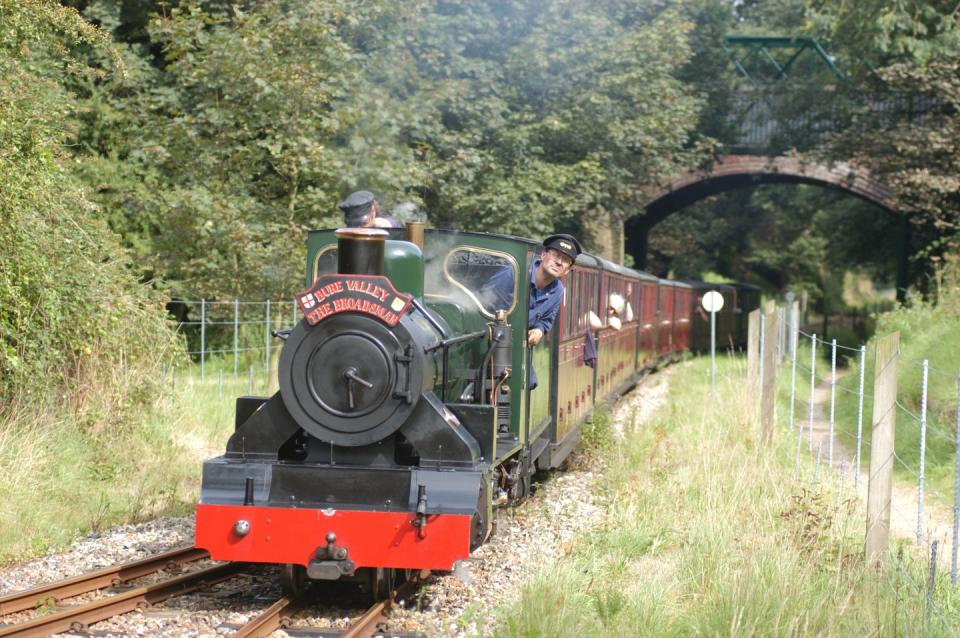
(828, 405)
(233, 337)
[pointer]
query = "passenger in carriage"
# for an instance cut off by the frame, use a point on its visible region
(546, 289)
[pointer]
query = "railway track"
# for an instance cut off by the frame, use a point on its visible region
(76, 618)
(53, 593)
(55, 617)
(371, 623)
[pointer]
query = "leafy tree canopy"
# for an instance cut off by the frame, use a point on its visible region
(240, 125)
(912, 143)
(215, 159)
(237, 125)
(785, 237)
(550, 109)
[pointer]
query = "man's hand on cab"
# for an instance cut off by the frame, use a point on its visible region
(534, 336)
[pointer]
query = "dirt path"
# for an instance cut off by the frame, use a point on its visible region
(937, 519)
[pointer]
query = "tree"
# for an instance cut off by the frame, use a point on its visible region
(793, 237)
(548, 110)
(70, 311)
(216, 155)
(241, 125)
(908, 132)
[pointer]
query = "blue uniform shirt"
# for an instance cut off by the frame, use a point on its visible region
(545, 303)
(497, 294)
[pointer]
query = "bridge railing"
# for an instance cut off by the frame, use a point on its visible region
(773, 122)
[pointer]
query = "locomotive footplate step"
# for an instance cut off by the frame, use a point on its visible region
(506, 445)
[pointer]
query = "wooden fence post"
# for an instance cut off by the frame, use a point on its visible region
(753, 350)
(881, 450)
(768, 384)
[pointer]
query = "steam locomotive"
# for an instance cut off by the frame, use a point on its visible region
(405, 412)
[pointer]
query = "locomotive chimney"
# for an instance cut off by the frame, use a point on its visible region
(360, 251)
(415, 233)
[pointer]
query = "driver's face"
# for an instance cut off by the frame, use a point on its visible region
(556, 263)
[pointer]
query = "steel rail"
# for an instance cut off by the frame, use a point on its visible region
(372, 621)
(85, 615)
(61, 589)
(277, 616)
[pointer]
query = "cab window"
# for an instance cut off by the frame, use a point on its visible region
(326, 261)
(489, 278)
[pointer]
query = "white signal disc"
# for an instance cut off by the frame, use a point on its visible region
(712, 301)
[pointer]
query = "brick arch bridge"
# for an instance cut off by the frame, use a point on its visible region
(736, 171)
(739, 171)
(765, 67)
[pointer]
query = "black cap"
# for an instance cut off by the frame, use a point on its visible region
(565, 244)
(356, 207)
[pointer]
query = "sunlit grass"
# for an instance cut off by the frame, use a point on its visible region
(65, 476)
(708, 533)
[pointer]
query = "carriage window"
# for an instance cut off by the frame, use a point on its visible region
(489, 278)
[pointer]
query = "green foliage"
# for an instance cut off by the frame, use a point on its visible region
(71, 314)
(215, 159)
(234, 129)
(90, 480)
(784, 237)
(708, 69)
(899, 62)
(510, 115)
(912, 147)
(888, 32)
(549, 111)
(929, 329)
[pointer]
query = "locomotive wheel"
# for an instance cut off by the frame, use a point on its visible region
(481, 524)
(381, 581)
(523, 488)
(293, 580)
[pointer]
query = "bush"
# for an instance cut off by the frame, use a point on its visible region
(76, 328)
(82, 342)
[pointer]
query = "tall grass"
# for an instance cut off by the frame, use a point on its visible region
(72, 472)
(707, 533)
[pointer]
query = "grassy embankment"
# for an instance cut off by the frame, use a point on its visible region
(74, 472)
(708, 533)
(931, 332)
